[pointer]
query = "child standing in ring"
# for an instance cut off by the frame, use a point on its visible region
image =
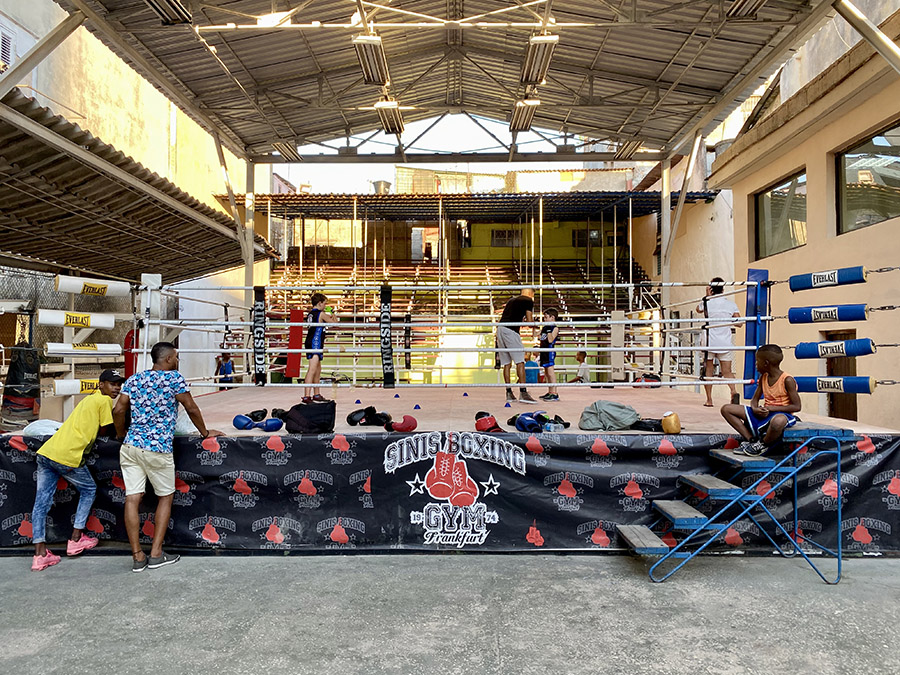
(315, 340)
(549, 335)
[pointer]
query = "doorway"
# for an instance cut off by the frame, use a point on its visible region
(841, 405)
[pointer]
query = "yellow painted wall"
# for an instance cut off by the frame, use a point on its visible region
(557, 238)
(857, 97)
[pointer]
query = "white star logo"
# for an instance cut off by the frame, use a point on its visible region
(416, 485)
(490, 486)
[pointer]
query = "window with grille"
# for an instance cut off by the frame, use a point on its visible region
(505, 238)
(580, 238)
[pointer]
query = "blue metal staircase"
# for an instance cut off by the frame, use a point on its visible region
(732, 503)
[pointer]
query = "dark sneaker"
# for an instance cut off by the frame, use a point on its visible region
(751, 448)
(510, 397)
(525, 397)
(318, 398)
(138, 565)
(163, 560)
(551, 397)
(545, 397)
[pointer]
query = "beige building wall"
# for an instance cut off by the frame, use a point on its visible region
(87, 84)
(858, 96)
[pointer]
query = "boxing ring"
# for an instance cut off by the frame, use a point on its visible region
(445, 485)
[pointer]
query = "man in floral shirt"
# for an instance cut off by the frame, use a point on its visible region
(152, 398)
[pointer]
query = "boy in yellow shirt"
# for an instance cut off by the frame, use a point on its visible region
(63, 457)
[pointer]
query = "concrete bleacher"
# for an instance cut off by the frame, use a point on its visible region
(425, 301)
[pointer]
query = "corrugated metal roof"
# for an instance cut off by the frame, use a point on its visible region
(474, 208)
(57, 209)
(647, 69)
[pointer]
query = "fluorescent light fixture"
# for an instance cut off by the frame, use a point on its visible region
(627, 149)
(288, 150)
(273, 19)
(522, 114)
(537, 58)
(389, 113)
(170, 12)
(745, 7)
(372, 60)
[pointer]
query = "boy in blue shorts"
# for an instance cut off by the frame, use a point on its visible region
(315, 341)
(761, 425)
(549, 336)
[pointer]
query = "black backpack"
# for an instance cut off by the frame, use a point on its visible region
(310, 418)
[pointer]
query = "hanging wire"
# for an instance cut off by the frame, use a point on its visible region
(881, 270)
(884, 308)
(886, 383)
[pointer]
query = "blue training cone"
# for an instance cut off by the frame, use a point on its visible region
(358, 402)
(396, 395)
(465, 393)
(507, 406)
(417, 407)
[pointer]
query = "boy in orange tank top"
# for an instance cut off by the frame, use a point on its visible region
(761, 426)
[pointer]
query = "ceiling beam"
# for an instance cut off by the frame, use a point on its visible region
(562, 66)
(742, 85)
(473, 158)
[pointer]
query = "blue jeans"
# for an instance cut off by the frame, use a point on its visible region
(48, 473)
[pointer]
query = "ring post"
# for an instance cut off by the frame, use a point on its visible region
(755, 331)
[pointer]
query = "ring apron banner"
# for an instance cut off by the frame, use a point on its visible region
(441, 491)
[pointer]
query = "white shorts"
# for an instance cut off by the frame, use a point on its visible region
(728, 357)
(509, 342)
(718, 351)
(138, 465)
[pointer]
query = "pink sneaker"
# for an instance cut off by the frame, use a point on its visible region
(77, 547)
(42, 562)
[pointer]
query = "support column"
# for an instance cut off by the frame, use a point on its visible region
(630, 259)
(666, 217)
(248, 233)
(615, 277)
(541, 245)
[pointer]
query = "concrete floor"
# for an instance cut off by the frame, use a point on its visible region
(446, 614)
(448, 409)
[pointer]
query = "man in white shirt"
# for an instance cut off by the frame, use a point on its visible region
(715, 335)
